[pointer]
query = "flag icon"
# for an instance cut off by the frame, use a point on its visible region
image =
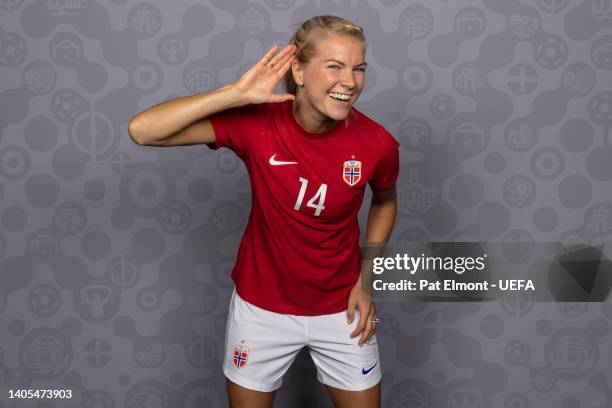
(241, 354)
(351, 173)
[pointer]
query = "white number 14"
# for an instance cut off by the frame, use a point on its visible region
(320, 195)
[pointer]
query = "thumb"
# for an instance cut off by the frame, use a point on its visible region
(350, 313)
(282, 97)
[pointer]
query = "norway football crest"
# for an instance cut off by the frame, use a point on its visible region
(241, 355)
(351, 173)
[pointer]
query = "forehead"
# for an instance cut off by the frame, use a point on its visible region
(339, 46)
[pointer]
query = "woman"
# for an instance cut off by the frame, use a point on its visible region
(309, 155)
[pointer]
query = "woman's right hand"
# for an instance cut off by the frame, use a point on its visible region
(257, 84)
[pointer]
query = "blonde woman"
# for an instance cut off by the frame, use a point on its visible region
(309, 154)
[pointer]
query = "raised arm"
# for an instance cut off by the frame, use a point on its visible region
(183, 121)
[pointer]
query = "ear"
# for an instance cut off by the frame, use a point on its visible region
(298, 75)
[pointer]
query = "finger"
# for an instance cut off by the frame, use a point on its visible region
(282, 97)
(276, 60)
(363, 317)
(268, 55)
(281, 67)
(370, 326)
(360, 327)
(372, 319)
(350, 313)
(373, 328)
(284, 66)
(367, 332)
(277, 63)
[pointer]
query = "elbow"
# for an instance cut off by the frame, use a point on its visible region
(134, 133)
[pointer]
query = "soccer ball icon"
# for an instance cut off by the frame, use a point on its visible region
(45, 300)
(67, 104)
(551, 52)
(517, 352)
(600, 108)
(442, 106)
(13, 49)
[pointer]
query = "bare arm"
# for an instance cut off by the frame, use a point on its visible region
(183, 121)
(381, 216)
(381, 219)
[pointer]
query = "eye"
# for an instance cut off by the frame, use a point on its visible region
(360, 69)
(334, 66)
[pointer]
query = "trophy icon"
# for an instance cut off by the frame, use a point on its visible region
(96, 296)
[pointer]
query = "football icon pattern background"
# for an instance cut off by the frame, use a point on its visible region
(115, 258)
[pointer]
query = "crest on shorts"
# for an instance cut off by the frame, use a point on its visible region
(241, 355)
(351, 172)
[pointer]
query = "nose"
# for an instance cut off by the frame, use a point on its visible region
(348, 79)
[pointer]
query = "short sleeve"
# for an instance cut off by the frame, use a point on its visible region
(237, 128)
(387, 169)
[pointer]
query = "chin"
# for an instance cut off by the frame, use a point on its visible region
(338, 114)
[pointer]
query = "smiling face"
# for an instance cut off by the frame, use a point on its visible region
(330, 82)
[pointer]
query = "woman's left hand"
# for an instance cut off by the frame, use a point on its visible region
(367, 313)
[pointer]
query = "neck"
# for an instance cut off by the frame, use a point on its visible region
(309, 118)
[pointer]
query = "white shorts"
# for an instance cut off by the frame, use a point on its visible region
(260, 346)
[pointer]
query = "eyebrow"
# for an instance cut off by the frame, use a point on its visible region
(342, 63)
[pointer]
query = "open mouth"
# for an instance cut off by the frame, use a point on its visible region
(340, 97)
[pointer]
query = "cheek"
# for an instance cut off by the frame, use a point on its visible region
(325, 74)
(361, 81)
(324, 82)
(318, 83)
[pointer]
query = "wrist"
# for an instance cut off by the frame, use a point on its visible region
(236, 95)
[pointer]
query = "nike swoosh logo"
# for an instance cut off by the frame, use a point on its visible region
(275, 162)
(364, 371)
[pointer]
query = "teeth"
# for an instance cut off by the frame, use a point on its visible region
(343, 97)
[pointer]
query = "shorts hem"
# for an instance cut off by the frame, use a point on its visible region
(251, 385)
(353, 387)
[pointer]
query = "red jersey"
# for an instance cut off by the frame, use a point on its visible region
(300, 251)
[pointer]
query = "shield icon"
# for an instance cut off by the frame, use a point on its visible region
(351, 172)
(241, 355)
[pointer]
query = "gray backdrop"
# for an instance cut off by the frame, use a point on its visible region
(115, 258)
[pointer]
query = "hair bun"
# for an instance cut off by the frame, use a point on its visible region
(353, 27)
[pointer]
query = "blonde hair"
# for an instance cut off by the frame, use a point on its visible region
(308, 35)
